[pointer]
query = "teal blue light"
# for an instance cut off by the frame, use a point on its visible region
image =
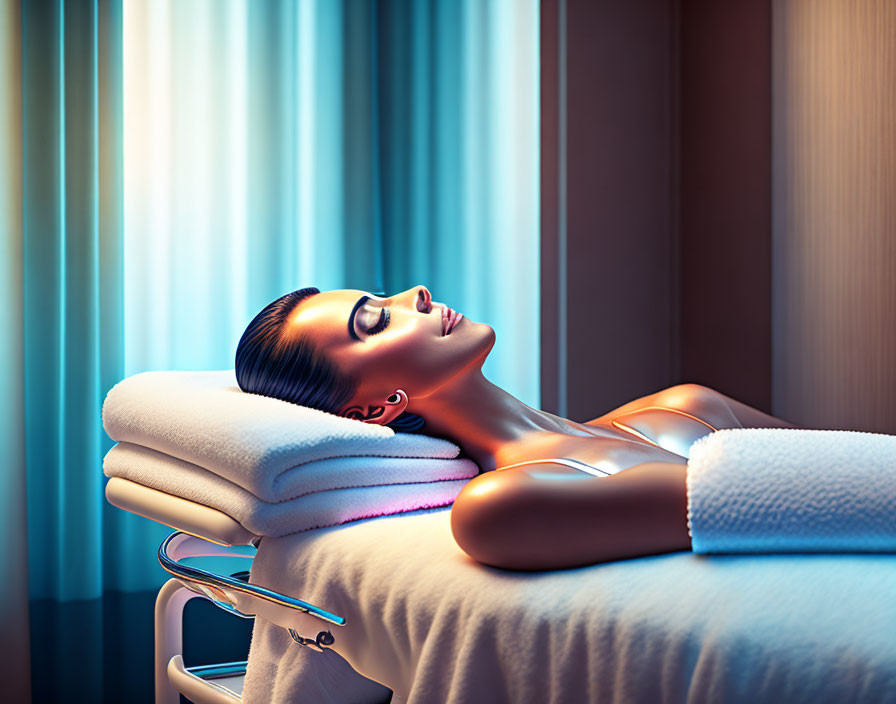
(184, 164)
(386, 145)
(59, 485)
(71, 340)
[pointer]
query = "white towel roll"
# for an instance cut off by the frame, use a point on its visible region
(792, 490)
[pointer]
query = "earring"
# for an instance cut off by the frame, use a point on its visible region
(394, 398)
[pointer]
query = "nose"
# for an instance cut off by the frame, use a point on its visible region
(424, 300)
(419, 298)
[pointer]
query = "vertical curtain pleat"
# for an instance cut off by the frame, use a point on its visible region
(458, 115)
(362, 234)
(116, 527)
(63, 306)
(14, 637)
(71, 264)
(78, 492)
(513, 262)
(42, 230)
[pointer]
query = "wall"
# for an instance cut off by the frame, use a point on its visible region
(656, 230)
(607, 234)
(835, 213)
(725, 198)
(719, 205)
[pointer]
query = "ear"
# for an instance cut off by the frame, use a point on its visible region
(381, 413)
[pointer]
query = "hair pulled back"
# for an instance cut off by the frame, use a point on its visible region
(270, 363)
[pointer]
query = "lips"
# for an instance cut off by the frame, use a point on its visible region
(450, 319)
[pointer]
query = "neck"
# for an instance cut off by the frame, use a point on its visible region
(482, 418)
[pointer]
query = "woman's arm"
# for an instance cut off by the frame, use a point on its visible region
(521, 519)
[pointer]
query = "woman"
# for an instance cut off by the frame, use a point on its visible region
(618, 489)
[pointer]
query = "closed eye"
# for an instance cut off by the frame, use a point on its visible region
(382, 323)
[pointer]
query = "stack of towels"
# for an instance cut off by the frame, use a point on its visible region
(275, 467)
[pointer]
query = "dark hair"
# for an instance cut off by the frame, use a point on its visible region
(269, 363)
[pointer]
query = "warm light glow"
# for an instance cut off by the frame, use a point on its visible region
(484, 484)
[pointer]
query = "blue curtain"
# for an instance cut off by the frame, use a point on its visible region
(270, 146)
(14, 636)
(169, 167)
(72, 260)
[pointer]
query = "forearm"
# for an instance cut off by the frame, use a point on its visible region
(518, 523)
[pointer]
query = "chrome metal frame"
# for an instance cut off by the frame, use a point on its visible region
(207, 684)
(220, 589)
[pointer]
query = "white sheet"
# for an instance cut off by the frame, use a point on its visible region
(435, 626)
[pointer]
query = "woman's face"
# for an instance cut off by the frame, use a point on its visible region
(392, 343)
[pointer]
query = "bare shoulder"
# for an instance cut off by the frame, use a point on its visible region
(508, 488)
(695, 399)
(492, 507)
(702, 402)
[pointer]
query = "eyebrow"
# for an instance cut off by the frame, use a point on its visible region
(351, 318)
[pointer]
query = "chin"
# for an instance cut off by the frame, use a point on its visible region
(485, 338)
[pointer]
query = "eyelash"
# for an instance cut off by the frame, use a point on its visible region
(382, 323)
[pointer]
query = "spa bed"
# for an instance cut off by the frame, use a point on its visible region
(346, 611)
(409, 611)
(435, 626)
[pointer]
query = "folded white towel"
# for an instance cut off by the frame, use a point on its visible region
(316, 510)
(252, 440)
(792, 490)
(320, 475)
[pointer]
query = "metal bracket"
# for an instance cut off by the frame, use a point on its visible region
(323, 640)
(222, 590)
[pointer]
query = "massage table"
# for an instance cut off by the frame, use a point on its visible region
(265, 498)
(393, 600)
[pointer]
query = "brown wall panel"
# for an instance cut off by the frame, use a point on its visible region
(731, 205)
(835, 213)
(668, 270)
(620, 74)
(725, 225)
